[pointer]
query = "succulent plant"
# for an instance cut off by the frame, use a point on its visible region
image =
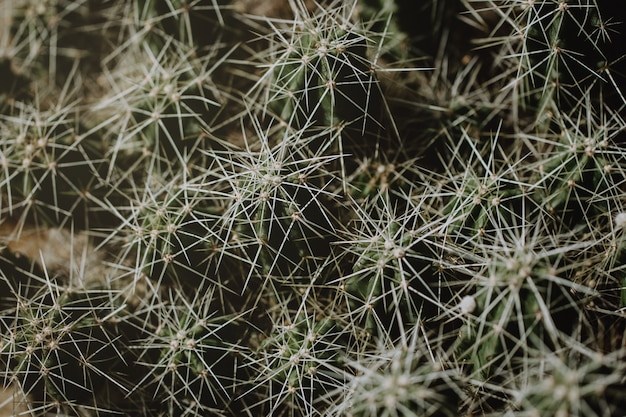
(305, 208)
(185, 354)
(403, 381)
(299, 365)
(63, 347)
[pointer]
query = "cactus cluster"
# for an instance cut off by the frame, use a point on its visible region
(305, 208)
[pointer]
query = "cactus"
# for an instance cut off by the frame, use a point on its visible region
(393, 279)
(299, 364)
(579, 171)
(590, 386)
(317, 73)
(274, 205)
(186, 354)
(321, 77)
(305, 208)
(43, 160)
(402, 380)
(63, 347)
(522, 302)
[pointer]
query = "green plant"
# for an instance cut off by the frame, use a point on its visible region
(586, 386)
(61, 346)
(299, 365)
(305, 208)
(402, 380)
(185, 354)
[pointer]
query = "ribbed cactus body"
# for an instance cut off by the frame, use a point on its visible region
(321, 76)
(184, 356)
(588, 386)
(274, 208)
(44, 159)
(402, 381)
(391, 278)
(62, 347)
(522, 303)
(325, 80)
(300, 364)
(158, 113)
(482, 204)
(579, 172)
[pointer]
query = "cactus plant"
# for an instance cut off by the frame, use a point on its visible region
(403, 380)
(305, 208)
(185, 354)
(298, 365)
(61, 346)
